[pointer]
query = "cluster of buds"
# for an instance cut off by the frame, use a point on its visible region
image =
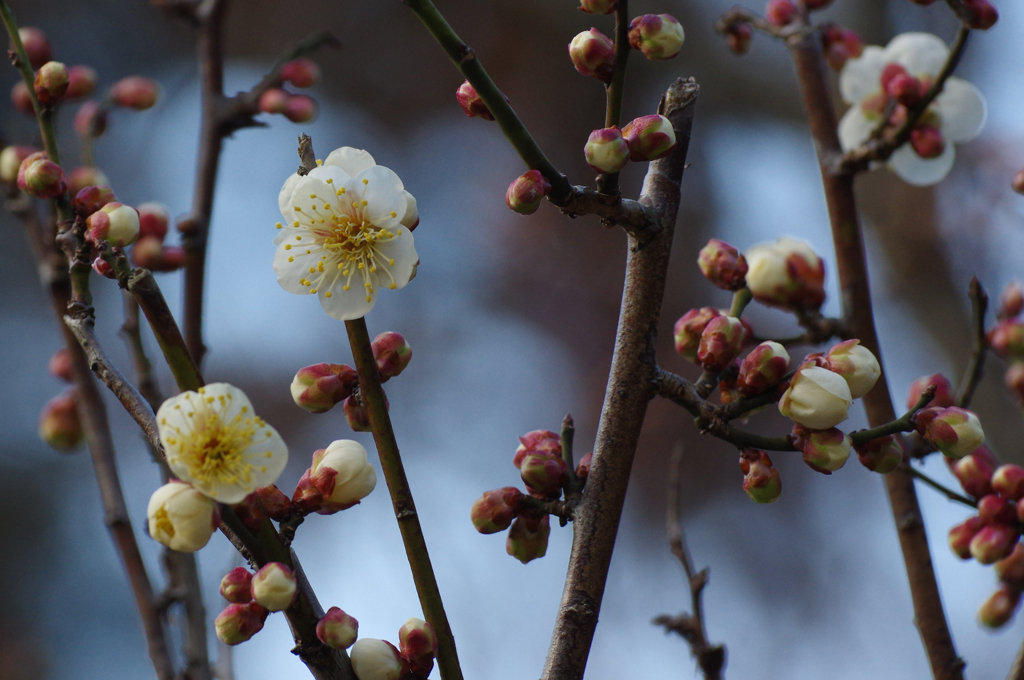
(253, 597)
(149, 250)
(840, 44)
(298, 108)
(340, 477)
(54, 82)
(646, 138)
(59, 423)
(1006, 338)
(822, 391)
(413, 659)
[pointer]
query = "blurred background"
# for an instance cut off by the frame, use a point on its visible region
(512, 320)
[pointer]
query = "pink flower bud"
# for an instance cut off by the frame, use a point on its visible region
(301, 72)
(985, 15)
(856, 364)
(135, 92)
(786, 274)
(181, 518)
(21, 99)
(526, 192)
(60, 365)
(154, 219)
(1017, 183)
(583, 467)
(495, 510)
(598, 6)
(59, 424)
(780, 12)
(376, 660)
(1001, 606)
(300, 109)
(103, 268)
(953, 430)
(927, 141)
(649, 137)
(319, 387)
(10, 162)
(337, 629)
(817, 398)
(307, 497)
(993, 509)
(236, 586)
(993, 542)
(115, 223)
(606, 150)
(343, 475)
(172, 259)
(471, 102)
(239, 622)
(722, 264)
(721, 342)
(250, 512)
(274, 586)
(37, 46)
(738, 38)
(1007, 338)
(1011, 301)
(961, 535)
(90, 199)
(882, 455)
(975, 472)
(658, 36)
(90, 120)
(147, 252)
(1008, 481)
(839, 45)
(689, 328)
(42, 178)
(51, 83)
(275, 503)
(544, 474)
(528, 538)
(943, 391)
(356, 415)
(1014, 380)
(592, 54)
(1010, 570)
(81, 82)
(544, 441)
(764, 367)
(905, 89)
(274, 100)
(761, 481)
(824, 451)
(416, 640)
(392, 354)
(86, 176)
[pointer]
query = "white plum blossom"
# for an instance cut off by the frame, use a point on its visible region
(216, 443)
(346, 232)
(899, 74)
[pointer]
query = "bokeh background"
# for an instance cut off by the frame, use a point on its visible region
(512, 321)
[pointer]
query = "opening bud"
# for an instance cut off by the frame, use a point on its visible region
(961, 535)
(993, 542)
(882, 455)
(720, 343)
(59, 423)
(299, 108)
(81, 82)
(51, 83)
(528, 538)
(649, 137)
(544, 441)
(10, 162)
(598, 6)
(274, 586)
(1000, 607)
(337, 629)
(392, 354)
(721, 263)
(41, 177)
(90, 120)
(1008, 481)
(689, 328)
(417, 642)
(239, 622)
(658, 36)
(495, 510)
(342, 475)
(817, 398)
(824, 451)
(526, 192)
(114, 223)
(954, 431)
(471, 102)
(1007, 339)
(236, 586)
(856, 364)
(593, 54)
(780, 12)
(787, 274)
(90, 199)
(37, 46)
(319, 387)
(60, 365)
(301, 72)
(764, 367)
(181, 518)
(943, 391)
(761, 481)
(135, 92)
(606, 150)
(544, 474)
(376, 660)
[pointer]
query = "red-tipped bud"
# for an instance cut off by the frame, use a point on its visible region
(274, 100)
(60, 365)
(1017, 183)
(495, 510)
(81, 82)
(1008, 482)
(154, 219)
(1007, 338)
(59, 424)
(308, 497)
(544, 441)
(301, 72)
(738, 38)
(689, 328)
(90, 120)
(51, 83)
(721, 342)
(975, 472)
(943, 391)
(606, 150)
(526, 192)
(954, 431)
(319, 387)
(528, 538)
(722, 265)
(993, 509)
(103, 268)
(239, 622)
(583, 468)
(649, 137)
(889, 72)
(37, 46)
(905, 89)
(11, 159)
(1014, 380)
(21, 99)
(598, 6)
(993, 542)
(961, 535)
(337, 629)
(275, 503)
(1000, 607)
(135, 92)
(856, 364)
(840, 44)
(300, 109)
(985, 15)
(1011, 301)
(86, 176)
(824, 451)
(376, 660)
(236, 586)
(544, 474)
(761, 481)
(764, 367)
(274, 586)
(41, 178)
(882, 455)
(416, 640)
(392, 354)
(658, 36)
(1010, 570)
(172, 259)
(90, 199)
(787, 274)
(357, 416)
(471, 102)
(780, 12)
(927, 141)
(592, 54)
(114, 223)
(147, 252)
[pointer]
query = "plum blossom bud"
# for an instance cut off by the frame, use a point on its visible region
(722, 264)
(738, 38)
(115, 223)
(606, 150)
(1010, 570)
(526, 192)
(147, 252)
(21, 99)
(786, 274)
(592, 54)
(825, 451)
(337, 629)
(780, 12)
(86, 176)
(1007, 338)
(815, 4)
(416, 640)
(59, 423)
(103, 268)
(60, 365)
(319, 387)
(975, 472)
(720, 343)
(275, 503)
(993, 542)
(764, 367)
(528, 538)
(1017, 183)
(689, 328)
(649, 137)
(37, 46)
(943, 391)
(90, 199)
(1000, 607)
(927, 141)
(985, 14)
(239, 622)
(236, 586)
(181, 518)
(471, 102)
(817, 398)
(856, 364)
(343, 475)
(301, 72)
(299, 108)
(658, 36)
(953, 430)
(274, 100)
(495, 510)
(135, 92)
(840, 44)
(154, 219)
(10, 162)
(274, 586)
(905, 89)
(81, 82)
(375, 660)
(543, 473)
(1008, 482)
(761, 481)
(995, 510)
(1011, 301)
(41, 178)
(882, 455)
(356, 415)
(583, 467)
(1014, 380)
(598, 6)
(90, 120)
(544, 441)
(51, 82)
(961, 535)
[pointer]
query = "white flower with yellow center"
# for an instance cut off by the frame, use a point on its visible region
(346, 232)
(216, 443)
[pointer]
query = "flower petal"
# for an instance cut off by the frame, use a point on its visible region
(329, 172)
(922, 54)
(859, 78)
(352, 161)
(963, 110)
(268, 457)
(346, 305)
(854, 128)
(401, 249)
(385, 198)
(412, 213)
(919, 171)
(284, 198)
(292, 266)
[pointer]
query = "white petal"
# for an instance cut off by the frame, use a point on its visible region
(963, 110)
(284, 198)
(234, 399)
(922, 54)
(921, 171)
(401, 249)
(309, 198)
(855, 128)
(332, 172)
(352, 161)
(859, 78)
(384, 196)
(289, 273)
(268, 457)
(346, 305)
(412, 213)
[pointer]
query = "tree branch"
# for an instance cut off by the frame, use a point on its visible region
(608, 183)
(976, 367)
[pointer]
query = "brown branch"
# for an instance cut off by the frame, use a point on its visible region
(856, 297)
(630, 388)
(979, 350)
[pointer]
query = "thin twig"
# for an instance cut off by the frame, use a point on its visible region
(979, 349)
(608, 183)
(902, 424)
(945, 491)
(147, 294)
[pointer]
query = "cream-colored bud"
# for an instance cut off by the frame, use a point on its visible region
(375, 660)
(355, 477)
(180, 517)
(857, 366)
(817, 398)
(274, 586)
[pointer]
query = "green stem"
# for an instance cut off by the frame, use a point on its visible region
(740, 300)
(401, 498)
(609, 183)
(901, 424)
(948, 493)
